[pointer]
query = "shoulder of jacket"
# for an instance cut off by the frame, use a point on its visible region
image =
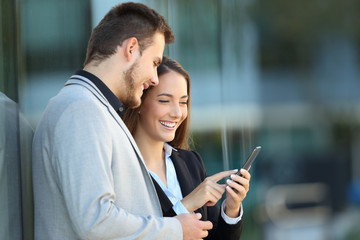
(189, 155)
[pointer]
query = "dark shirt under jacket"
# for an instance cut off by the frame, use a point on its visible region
(109, 95)
(190, 171)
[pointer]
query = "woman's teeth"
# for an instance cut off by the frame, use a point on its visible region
(168, 124)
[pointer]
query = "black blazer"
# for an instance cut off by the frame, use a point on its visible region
(191, 172)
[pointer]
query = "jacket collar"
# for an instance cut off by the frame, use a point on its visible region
(183, 173)
(82, 81)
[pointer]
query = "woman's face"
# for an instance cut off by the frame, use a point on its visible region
(164, 108)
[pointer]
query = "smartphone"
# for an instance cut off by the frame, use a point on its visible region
(250, 160)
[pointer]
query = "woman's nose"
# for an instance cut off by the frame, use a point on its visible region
(176, 111)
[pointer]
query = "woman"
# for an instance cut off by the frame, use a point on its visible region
(160, 129)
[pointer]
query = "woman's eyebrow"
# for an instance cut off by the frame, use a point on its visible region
(169, 95)
(165, 94)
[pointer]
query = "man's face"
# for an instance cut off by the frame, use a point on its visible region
(143, 72)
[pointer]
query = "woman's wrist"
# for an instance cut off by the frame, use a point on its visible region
(186, 205)
(232, 212)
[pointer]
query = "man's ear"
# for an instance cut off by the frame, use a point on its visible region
(131, 47)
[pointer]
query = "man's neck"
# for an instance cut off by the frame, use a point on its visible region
(106, 74)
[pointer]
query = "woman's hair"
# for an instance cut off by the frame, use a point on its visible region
(182, 137)
(122, 22)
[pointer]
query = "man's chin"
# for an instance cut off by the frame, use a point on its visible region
(133, 104)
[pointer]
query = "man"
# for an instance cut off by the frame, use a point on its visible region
(90, 181)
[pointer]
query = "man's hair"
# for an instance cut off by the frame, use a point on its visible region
(182, 137)
(123, 22)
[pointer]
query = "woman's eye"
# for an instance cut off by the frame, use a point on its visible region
(163, 101)
(184, 103)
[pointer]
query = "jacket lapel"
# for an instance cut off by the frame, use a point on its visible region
(185, 179)
(80, 80)
(183, 174)
(166, 205)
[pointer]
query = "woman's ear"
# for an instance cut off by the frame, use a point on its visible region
(131, 47)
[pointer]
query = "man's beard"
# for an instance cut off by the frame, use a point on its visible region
(131, 100)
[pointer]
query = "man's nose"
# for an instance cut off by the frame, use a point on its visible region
(155, 79)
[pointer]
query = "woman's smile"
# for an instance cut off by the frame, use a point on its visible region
(168, 124)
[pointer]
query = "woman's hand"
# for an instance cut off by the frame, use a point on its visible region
(208, 192)
(236, 191)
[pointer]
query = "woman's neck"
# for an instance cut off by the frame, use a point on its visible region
(153, 154)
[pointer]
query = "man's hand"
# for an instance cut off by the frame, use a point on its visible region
(208, 192)
(192, 227)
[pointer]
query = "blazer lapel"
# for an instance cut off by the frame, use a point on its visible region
(80, 80)
(166, 205)
(183, 174)
(185, 180)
